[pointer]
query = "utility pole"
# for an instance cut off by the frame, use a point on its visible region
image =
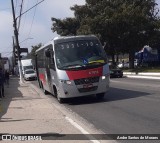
(17, 41)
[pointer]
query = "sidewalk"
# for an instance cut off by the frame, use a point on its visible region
(25, 111)
(142, 75)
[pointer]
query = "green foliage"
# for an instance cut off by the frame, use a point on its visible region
(31, 55)
(68, 26)
(125, 25)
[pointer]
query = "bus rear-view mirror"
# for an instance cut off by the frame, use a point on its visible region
(47, 53)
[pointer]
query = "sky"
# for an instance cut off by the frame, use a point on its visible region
(35, 24)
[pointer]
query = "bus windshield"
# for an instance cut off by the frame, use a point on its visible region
(82, 53)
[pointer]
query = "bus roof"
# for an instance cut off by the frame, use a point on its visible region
(64, 39)
(73, 38)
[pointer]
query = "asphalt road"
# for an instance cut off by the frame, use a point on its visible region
(130, 107)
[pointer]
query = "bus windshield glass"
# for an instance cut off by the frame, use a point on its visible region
(79, 53)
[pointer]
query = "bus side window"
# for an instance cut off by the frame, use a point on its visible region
(52, 60)
(52, 57)
(40, 59)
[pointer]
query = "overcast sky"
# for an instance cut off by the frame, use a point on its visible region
(35, 24)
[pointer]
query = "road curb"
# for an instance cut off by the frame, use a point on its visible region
(142, 73)
(143, 77)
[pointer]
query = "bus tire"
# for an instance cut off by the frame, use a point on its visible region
(100, 96)
(55, 91)
(44, 91)
(40, 84)
(60, 100)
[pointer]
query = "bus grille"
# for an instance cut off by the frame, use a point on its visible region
(86, 80)
(88, 89)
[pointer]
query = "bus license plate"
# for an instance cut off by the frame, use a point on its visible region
(87, 85)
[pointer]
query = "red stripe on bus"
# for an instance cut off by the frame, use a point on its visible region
(84, 73)
(42, 78)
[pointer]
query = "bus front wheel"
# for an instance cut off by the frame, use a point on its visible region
(60, 100)
(56, 94)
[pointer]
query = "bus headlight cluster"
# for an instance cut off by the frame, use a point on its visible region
(103, 77)
(66, 81)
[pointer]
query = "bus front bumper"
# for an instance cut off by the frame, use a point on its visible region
(70, 91)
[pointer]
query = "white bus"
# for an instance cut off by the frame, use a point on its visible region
(73, 66)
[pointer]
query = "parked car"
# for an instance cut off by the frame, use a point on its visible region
(126, 64)
(30, 74)
(115, 72)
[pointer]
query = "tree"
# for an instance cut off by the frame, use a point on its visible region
(31, 55)
(141, 20)
(68, 26)
(125, 25)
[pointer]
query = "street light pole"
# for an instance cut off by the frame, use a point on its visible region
(17, 41)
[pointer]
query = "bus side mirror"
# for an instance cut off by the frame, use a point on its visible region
(47, 53)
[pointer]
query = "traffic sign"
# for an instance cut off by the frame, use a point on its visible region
(23, 50)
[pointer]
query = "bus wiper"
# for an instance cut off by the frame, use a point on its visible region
(72, 66)
(96, 63)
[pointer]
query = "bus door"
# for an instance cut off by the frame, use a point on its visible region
(48, 67)
(37, 71)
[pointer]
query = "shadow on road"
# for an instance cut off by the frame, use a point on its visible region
(113, 94)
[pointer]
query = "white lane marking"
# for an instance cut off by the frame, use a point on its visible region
(91, 138)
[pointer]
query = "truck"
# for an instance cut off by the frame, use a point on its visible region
(6, 63)
(148, 56)
(26, 64)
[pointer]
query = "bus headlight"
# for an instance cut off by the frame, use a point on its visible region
(103, 77)
(66, 81)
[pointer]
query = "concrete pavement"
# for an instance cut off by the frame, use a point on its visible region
(24, 110)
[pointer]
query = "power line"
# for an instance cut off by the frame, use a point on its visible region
(20, 15)
(32, 20)
(31, 8)
(15, 7)
(22, 27)
(33, 15)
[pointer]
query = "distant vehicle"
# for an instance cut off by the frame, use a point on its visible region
(73, 66)
(148, 56)
(30, 74)
(126, 64)
(123, 65)
(26, 64)
(120, 65)
(135, 63)
(115, 72)
(6, 63)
